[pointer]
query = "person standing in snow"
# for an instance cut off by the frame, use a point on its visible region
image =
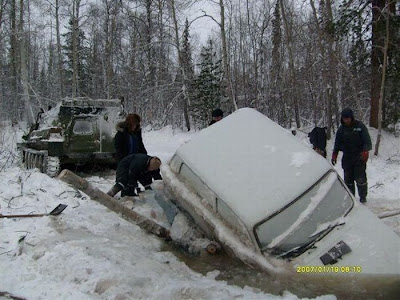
(131, 169)
(353, 139)
(128, 139)
(217, 115)
(317, 138)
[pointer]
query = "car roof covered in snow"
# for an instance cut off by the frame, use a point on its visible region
(255, 166)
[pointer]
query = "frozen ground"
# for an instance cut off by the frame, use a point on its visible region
(89, 252)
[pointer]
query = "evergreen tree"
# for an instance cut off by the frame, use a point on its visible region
(187, 61)
(209, 85)
(366, 52)
(186, 72)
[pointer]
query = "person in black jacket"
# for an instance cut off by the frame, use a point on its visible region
(217, 115)
(317, 138)
(133, 168)
(353, 139)
(128, 139)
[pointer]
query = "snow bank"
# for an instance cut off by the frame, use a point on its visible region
(89, 252)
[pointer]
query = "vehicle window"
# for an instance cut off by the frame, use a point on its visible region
(232, 219)
(191, 179)
(300, 223)
(83, 127)
(175, 163)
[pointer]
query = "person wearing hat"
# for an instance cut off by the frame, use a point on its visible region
(318, 138)
(128, 139)
(133, 168)
(217, 115)
(352, 138)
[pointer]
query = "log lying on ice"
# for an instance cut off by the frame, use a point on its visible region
(111, 203)
(390, 213)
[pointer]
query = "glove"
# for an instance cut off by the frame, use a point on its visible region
(334, 158)
(364, 156)
(129, 191)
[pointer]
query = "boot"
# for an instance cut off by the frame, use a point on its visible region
(114, 190)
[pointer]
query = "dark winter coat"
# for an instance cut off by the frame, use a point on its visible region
(127, 143)
(318, 138)
(352, 140)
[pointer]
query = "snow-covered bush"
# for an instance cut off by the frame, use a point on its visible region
(8, 146)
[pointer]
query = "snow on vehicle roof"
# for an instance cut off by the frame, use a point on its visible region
(87, 102)
(255, 166)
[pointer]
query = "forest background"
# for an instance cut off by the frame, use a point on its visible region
(297, 61)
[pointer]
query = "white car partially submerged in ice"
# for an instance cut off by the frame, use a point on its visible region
(270, 199)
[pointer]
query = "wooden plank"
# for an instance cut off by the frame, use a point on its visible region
(112, 204)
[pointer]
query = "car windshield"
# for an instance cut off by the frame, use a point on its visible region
(303, 221)
(83, 127)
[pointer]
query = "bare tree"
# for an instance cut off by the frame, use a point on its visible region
(327, 52)
(382, 90)
(29, 116)
(225, 56)
(378, 37)
(59, 54)
(75, 35)
(185, 88)
(289, 44)
(3, 4)
(14, 56)
(112, 10)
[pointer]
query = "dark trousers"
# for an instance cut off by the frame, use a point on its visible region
(355, 172)
(145, 179)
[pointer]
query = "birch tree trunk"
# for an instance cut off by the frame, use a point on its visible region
(2, 5)
(289, 42)
(14, 57)
(75, 37)
(186, 96)
(332, 90)
(112, 10)
(329, 58)
(29, 116)
(225, 56)
(59, 54)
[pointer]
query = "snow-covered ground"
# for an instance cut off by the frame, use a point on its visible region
(89, 252)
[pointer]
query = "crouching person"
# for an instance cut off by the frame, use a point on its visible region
(133, 168)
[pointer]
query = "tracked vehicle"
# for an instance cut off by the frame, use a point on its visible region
(77, 131)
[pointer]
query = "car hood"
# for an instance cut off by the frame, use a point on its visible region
(374, 246)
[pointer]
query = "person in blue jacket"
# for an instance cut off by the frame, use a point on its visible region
(128, 139)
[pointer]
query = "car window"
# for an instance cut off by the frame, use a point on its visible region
(83, 127)
(298, 224)
(191, 179)
(175, 163)
(232, 219)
